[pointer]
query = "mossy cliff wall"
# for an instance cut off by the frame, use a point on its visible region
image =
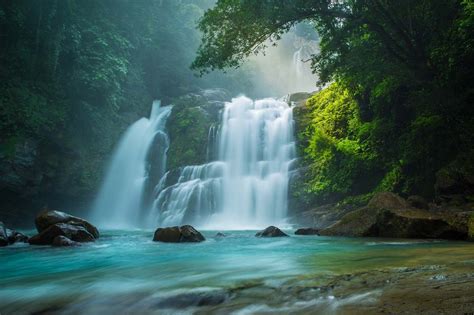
(189, 127)
(345, 158)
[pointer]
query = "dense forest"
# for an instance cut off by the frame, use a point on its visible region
(236, 157)
(397, 105)
(394, 113)
(73, 75)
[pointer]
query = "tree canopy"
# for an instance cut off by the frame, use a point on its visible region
(408, 65)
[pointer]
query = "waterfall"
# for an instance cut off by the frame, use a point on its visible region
(246, 183)
(130, 175)
(298, 63)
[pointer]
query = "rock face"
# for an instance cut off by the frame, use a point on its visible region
(271, 231)
(307, 231)
(387, 200)
(51, 224)
(63, 241)
(298, 99)
(8, 237)
(178, 234)
(455, 182)
(418, 202)
(389, 215)
(189, 124)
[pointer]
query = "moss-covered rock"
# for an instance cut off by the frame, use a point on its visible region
(188, 127)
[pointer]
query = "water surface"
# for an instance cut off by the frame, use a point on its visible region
(127, 263)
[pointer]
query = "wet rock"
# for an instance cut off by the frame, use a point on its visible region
(418, 202)
(178, 234)
(48, 218)
(3, 235)
(299, 98)
(386, 216)
(193, 299)
(63, 241)
(219, 234)
(8, 237)
(16, 237)
(387, 200)
(307, 231)
(271, 231)
(75, 233)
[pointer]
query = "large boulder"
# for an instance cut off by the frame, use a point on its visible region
(74, 232)
(388, 215)
(387, 200)
(307, 231)
(271, 231)
(63, 241)
(48, 218)
(178, 234)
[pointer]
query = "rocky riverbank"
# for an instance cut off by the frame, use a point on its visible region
(427, 289)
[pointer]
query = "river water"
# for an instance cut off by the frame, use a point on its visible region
(125, 272)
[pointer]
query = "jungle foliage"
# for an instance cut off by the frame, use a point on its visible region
(72, 69)
(399, 103)
(76, 70)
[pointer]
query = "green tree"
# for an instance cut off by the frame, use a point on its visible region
(406, 63)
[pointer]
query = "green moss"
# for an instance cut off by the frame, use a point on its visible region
(188, 127)
(333, 142)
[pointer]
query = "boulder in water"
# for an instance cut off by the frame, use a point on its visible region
(220, 234)
(307, 231)
(3, 235)
(271, 231)
(63, 241)
(8, 237)
(16, 237)
(48, 218)
(178, 234)
(77, 233)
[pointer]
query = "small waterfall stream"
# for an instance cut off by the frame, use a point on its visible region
(123, 192)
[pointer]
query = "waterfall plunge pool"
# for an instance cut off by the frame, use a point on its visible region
(125, 272)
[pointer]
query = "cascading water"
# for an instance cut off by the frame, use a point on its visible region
(247, 186)
(123, 192)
